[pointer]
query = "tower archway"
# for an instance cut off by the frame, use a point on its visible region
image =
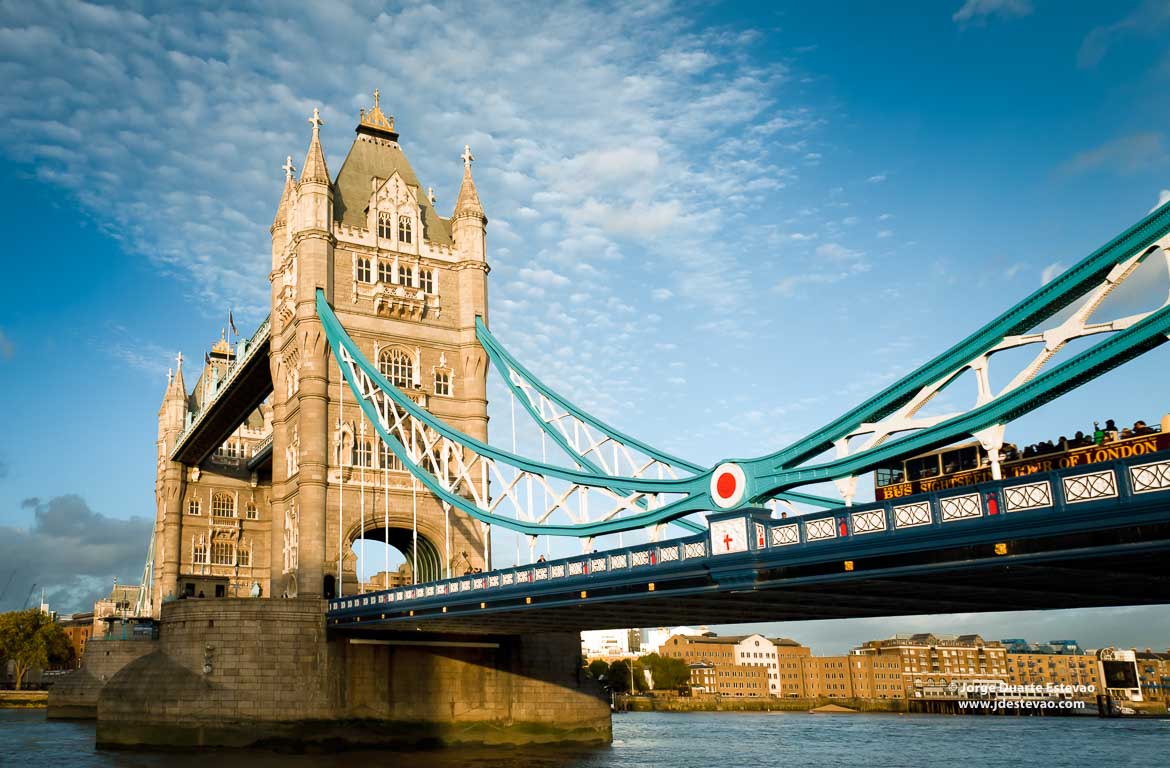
(424, 560)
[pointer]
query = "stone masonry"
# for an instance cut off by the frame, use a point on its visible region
(241, 673)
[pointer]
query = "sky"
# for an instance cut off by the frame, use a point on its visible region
(716, 225)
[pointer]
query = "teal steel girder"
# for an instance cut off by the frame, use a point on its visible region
(1106, 355)
(504, 360)
(694, 489)
(1041, 305)
(775, 474)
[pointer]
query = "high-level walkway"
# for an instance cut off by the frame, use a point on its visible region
(1085, 536)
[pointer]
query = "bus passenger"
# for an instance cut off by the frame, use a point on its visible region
(1110, 430)
(1098, 434)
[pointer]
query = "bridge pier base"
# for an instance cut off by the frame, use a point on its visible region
(264, 672)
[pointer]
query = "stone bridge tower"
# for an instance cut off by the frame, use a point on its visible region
(407, 285)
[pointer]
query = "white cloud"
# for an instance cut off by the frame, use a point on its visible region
(661, 294)
(838, 252)
(1163, 198)
(1127, 154)
(877, 178)
(1050, 272)
(981, 10)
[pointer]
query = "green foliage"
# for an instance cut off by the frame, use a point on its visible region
(30, 639)
(599, 669)
(669, 674)
(619, 676)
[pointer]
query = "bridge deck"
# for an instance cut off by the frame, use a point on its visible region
(1094, 535)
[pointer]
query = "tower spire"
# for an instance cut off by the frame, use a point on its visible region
(374, 121)
(287, 195)
(314, 168)
(467, 204)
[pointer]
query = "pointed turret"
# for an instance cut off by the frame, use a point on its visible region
(286, 197)
(281, 224)
(467, 204)
(175, 386)
(314, 195)
(315, 169)
(468, 222)
(172, 414)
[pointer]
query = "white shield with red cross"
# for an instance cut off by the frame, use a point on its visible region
(728, 536)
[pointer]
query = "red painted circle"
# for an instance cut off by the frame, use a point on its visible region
(725, 485)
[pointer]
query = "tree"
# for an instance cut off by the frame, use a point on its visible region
(31, 639)
(619, 676)
(669, 674)
(599, 669)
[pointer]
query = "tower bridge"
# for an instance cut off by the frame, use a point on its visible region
(358, 410)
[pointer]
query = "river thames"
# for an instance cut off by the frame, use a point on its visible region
(690, 740)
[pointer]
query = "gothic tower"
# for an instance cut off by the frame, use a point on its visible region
(407, 285)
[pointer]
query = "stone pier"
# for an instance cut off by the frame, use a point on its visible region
(75, 696)
(240, 673)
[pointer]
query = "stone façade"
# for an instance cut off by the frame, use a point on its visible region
(265, 673)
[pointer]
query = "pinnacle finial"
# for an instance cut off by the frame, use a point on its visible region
(467, 156)
(431, 195)
(288, 168)
(316, 121)
(179, 360)
(375, 118)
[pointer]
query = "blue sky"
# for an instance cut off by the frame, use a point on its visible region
(717, 225)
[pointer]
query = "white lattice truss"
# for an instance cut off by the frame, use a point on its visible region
(1076, 325)
(609, 454)
(492, 486)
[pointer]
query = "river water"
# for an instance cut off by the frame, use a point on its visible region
(686, 740)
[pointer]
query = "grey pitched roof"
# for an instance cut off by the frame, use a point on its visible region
(370, 157)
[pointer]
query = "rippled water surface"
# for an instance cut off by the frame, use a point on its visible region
(691, 740)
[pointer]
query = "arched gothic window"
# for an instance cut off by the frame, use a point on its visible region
(223, 505)
(363, 270)
(198, 552)
(385, 272)
(193, 507)
(385, 227)
(363, 454)
(404, 229)
(405, 275)
(426, 280)
(250, 512)
(442, 383)
(387, 459)
(223, 553)
(397, 366)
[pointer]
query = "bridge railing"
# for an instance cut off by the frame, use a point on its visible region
(1087, 491)
(251, 346)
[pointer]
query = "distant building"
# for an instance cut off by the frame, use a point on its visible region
(605, 644)
(1118, 669)
(1154, 675)
(79, 629)
(1054, 663)
(927, 665)
(654, 638)
(119, 603)
(731, 651)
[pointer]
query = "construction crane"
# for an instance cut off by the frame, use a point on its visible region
(29, 597)
(7, 584)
